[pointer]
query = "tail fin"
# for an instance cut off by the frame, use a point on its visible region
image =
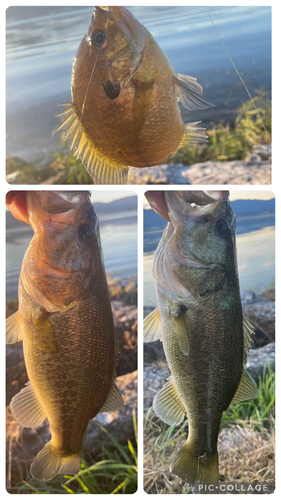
(204, 469)
(48, 464)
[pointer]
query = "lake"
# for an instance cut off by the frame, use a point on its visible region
(42, 42)
(255, 242)
(119, 242)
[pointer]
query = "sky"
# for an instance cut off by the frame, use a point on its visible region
(240, 195)
(108, 196)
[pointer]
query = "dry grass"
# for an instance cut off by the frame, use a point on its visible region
(244, 454)
(247, 455)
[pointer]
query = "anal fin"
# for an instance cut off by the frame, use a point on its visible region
(26, 408)
(102, 169)
(167, 404)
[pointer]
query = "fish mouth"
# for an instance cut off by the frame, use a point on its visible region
(197, 205)
(59, 208)
(62, 201)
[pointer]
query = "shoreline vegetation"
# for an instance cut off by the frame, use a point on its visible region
(227, 143)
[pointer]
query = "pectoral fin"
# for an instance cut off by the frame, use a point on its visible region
(114, 400)
(152, 327)
(13, 328)
(26, 408)
(190, 93)
(182, 330)
(167, 404)
(246, 389)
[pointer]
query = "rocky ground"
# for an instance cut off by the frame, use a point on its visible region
(255, 169)
(24, 443)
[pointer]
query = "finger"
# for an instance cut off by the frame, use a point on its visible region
(16, 203)
(156, 200)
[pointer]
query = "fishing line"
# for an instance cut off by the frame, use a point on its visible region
(244, 84)
(90, 79)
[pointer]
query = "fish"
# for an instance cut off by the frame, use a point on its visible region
(66, 325)
(124, 109)
(200, 322)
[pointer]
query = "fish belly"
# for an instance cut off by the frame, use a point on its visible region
(69, 359)
(207, 378)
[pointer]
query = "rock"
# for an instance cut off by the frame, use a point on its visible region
(154, 377)
(255, 169)
(124, 289)
(125, 320)
(161, 174)
(260, 310)
(118, 424)
(153, 351)
(234, 438)
(261, 360)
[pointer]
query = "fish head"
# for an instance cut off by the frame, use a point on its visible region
(65, 253)
(200, 250)
(110, 52)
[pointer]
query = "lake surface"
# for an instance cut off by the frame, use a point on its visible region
(255, 242)
(119, 242)
(42, 42)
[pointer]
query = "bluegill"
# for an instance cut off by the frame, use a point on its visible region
(66, 325)
(124, 110)
(199, 319)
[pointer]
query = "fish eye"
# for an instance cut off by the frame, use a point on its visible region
(86, 232)
(98, 39)
(221, 227)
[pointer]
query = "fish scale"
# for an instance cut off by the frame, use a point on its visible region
(124, 110)
(199, 319)
(66, 325)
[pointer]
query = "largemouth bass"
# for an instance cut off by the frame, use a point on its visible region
(124, 110)
(66, 325)
(199, 319)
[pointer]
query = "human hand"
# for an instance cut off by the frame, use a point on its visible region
(16, 203)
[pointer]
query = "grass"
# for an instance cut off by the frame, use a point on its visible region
(257, 412)
(116, 472)
(246, 443)
(226, 142)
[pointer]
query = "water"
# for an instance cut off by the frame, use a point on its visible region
(42, 41)
(255, 253)
(119, 243)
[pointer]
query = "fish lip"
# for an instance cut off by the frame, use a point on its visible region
(185, 204)
(71, 200)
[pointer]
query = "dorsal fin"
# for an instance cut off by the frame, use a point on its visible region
(101, 169)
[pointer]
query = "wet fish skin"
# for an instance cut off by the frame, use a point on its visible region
(199, 319)
(66, 324)
(124, 109)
